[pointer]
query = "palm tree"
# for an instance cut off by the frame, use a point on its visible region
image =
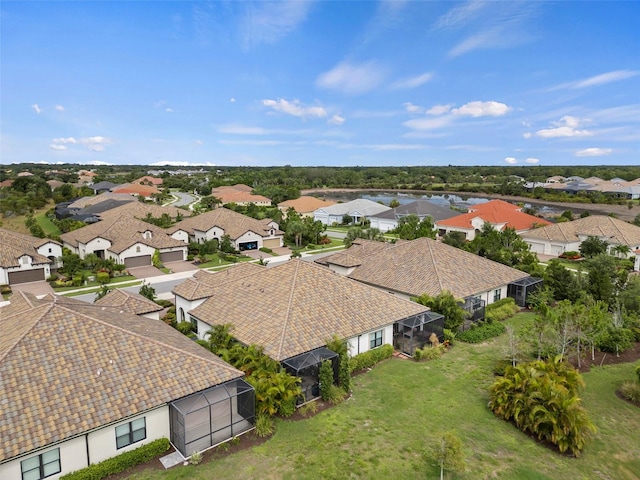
(219, 337)
(621, 251)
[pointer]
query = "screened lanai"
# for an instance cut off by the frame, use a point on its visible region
(212, 416)
(521, 289)
(307, 367)
(414, 332)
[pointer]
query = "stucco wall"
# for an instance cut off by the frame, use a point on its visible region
(360, 343)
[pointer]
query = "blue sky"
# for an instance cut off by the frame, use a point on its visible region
(320, 83)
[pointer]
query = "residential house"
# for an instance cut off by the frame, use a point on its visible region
(103, 186)
(125, 239)
(358, 210)
(304, 205)
(149, 180)
(245, 233)
(132, 303)
(82, 383)
(425, 266)
(24, 258)
(294, 308)
(84, 202)
(567, 236)
(136, 189)
(240, 195)
(388, 219)
(498, 213)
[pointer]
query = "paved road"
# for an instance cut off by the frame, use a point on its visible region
(184, 199)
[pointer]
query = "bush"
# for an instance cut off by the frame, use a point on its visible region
(264, 426)
(448, 335)
(309, 408)
(370, 358)
(77, 281)
(500, 310)
(481, 332)
(335, 395)
(265, 250)
(325, 377)
(121, 462)
(631, 391)
(5, 289)
(195, 458)
(616, 340)
(428, 353)
(102, 277)
(638, 372)
(53, 277)
(311, 246)
(164, 303)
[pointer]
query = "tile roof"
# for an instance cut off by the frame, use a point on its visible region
(234, 224)
(305, 204)
(15, 245)
(421, 208)
(297, 306)
(361, 205)
(149, 179)
(231, 195)
(428, 266)
(142, 210)
(87, 201)
(203, 283)
(136, 188)
(128, 302)
(353, 256)
(613, 230)
(69, 368)
(496, 212)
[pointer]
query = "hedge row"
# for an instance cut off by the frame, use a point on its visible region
(369, 358)
(120, 463)
(500, 310)
(480, 332)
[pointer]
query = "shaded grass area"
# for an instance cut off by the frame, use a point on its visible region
(399, 409)
(47, 225)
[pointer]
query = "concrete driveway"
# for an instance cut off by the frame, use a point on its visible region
(144, 272)
(176, 267)
(36, 288)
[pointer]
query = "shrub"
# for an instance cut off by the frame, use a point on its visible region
(287, 407)
(264, 426)
(77, 280)
(631, 391)
(195, 458)
(429, 352)
(5, 289)
(164, 303)
(369, 358)
(53, 277)
(309, 408)
(335, 394)
(311, 246)
(448, 335)
(326, 379)
(265, 250)
(616, 340)
(121, 462)
(638, 372)
(501, 310)
(102, 277)
(481, 332)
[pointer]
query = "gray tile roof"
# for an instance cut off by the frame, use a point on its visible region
(297, 306)
(613, 230)
(427, 266)
(70, 368)
(362, 205)
(421, 208)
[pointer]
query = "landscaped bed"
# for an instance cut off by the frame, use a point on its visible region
(399, 409)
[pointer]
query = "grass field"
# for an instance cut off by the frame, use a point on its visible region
(400, 407)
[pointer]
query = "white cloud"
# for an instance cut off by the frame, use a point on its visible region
(36, 108)
(198, 142)
(566, 127)
(482, 109)
(460, 15)
(95, 144)
(511, 160)
(98, 163)
(411, 108)
(532, 160)
(170, 163)
(593, 152)
(439, 110)
(412, 82)
(352, 78)
(65, 140)
(598, 80)
(526, 134)
(168, 110)
(336, 120)
(242, 130)
(55, 146)
(429, 123)
(60, 108)
(232, 100)
(268, 22)
(295, 108)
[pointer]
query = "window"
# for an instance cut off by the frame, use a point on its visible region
(496, 294)
(194, 325)
(41, 466)
(138, 249)
(131, 432)
(375, 339)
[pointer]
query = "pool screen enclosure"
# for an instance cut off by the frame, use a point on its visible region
(307, 367)
(213, 416)
(415, 332)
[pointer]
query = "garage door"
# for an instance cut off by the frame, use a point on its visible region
(26, 276)
(248, 246)
(141, 261)
(172, 256)
(271, 243)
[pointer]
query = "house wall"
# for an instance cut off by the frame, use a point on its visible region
(361, 343)
(546, 247)
(341, 270)
(248, 237)
(93, 245)
(51, 249)
(132, 251)
(152, 315)
(636, 265)
(102, 445)
(180, 235)
(383, 224)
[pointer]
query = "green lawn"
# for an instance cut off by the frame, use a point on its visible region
(47, 225)
(215, 261)
(124, 278)
(400, 407)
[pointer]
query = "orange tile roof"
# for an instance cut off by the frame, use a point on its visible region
(305, 204)
(238, 196)
(134, 188)
(496, 212)
(149, 179)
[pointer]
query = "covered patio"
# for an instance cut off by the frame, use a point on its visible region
(307, 367)
(414, 332)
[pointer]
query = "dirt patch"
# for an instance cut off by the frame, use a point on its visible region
(603, 358)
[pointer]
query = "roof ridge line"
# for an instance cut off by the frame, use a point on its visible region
(288, 315)
(144, 337)
(433, 260)
(35, 322)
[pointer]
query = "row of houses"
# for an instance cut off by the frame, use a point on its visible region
(616, 187)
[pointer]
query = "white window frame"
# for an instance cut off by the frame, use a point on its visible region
(131, 432)
(45, 461)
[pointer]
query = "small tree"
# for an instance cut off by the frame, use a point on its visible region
(593, 246)
(448, 453)
(445, 304)
(326, 380)
(513, 349)
(147, 291)
(155, 259)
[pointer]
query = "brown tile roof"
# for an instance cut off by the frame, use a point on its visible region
(18, 302)
(238, 196)
(305, 204)
(149, 179)
(241, 187)
(496, 212)
(203, 283)
(353, 256)
(88, 201)
(122, 231)
(142, 210)
(15, 245)
(297, 306)
(427, 266)
(68, 369)
(613, 230)
(234, 224)
(128, 302)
